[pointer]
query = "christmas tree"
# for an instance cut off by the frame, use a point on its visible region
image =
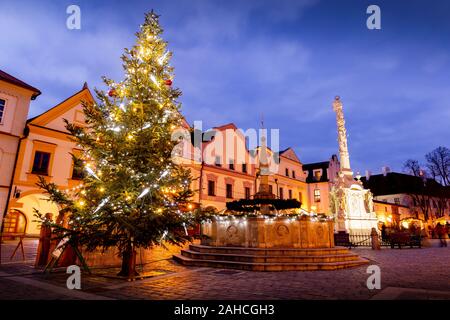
(132, 195)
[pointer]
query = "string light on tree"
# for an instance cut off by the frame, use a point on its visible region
(131, 147)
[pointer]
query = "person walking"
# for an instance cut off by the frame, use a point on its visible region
(441, 231)
(383, 232)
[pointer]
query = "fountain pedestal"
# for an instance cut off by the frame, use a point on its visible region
(257, 244)
(258, 232)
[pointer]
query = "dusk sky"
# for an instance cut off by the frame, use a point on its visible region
(236, 60)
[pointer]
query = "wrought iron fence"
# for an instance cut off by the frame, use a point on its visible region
(359, 240)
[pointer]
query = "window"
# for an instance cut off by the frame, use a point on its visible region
(270, 188)
(397, 200)
(77, 171)
(247, 193)
(211, 188)
(281, 193)
(290, 194)
(316, 195)
(300, 196)
(231, 165)
(218, 161)
(41, 162)
(317, 175)
(293, 174)
(229, 190)
(2, 109)
(287, 172)
(244, 168)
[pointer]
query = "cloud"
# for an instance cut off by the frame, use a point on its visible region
(235, 60)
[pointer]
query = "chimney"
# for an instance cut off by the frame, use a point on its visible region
(368, 174)
(385, 170)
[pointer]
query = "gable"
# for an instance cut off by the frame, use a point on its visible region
(70, 109)
(74, 114)
(226, 142)
(290, 154)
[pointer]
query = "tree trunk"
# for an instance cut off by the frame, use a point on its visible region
(128, 263)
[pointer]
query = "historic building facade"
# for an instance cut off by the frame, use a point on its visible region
(15, 96)
(222, 166)
(46, 150)
(221, 172)
(425, 206)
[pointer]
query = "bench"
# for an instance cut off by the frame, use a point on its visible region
(404, 239)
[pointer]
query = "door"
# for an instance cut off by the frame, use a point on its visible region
(15, 222)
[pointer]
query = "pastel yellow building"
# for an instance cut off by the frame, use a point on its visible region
(45, 151)
(15, 96)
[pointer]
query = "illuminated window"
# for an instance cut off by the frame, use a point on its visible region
(397, 200)
(316, 195)
(317, 175)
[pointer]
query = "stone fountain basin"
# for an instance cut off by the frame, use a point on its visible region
(260, 232)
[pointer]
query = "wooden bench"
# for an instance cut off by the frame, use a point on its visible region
(404, 239)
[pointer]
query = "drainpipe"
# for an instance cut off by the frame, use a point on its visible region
(278, 189)
(25, 135)
(200, 190)
(256, 181)
(200, 184)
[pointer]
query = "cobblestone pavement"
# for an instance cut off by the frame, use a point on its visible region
(405, 274)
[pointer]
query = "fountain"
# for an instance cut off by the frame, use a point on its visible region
(255, 236)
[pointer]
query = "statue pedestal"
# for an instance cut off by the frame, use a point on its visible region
(353, 208)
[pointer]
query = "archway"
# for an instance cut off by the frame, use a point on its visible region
(28, 203)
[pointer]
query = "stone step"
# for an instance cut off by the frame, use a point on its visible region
(269, 251)
(251, 266)
(269, 259)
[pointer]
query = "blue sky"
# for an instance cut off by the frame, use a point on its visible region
(236, 60)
